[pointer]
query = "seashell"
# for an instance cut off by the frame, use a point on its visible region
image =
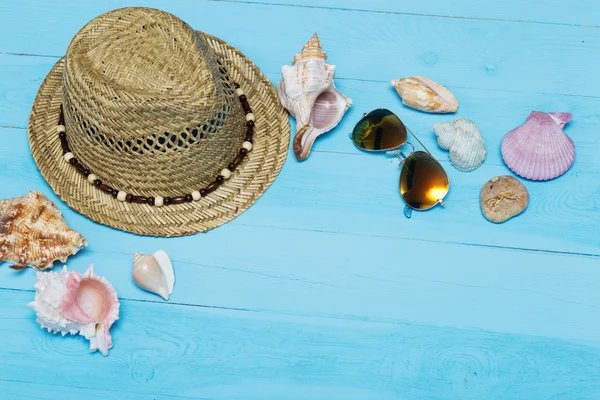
(68, 302)
(33, 233)
(307, 91)
(424, 94)
(502, 198)
(539, 149)
(154, 273)
(463, 139)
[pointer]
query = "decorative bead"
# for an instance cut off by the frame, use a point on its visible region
(151, 201)
(232, 166)
(188, 198)
(212, 187)
(250, 117)
(140, 199)
(158, 201)
(240, 157)
(115, 192)
(97, 182)
(249, 123)
(243, 97)
(226, 173)
(239, 92)
(60, 129)
(91, 178)
(167, 201)
(68, 156)
(196, 195)
(128, 198)
(73, 161)
(237, 86)
(220, 179)
(62, 134)
(83, 170)
(247, 146)
(105, 188)
(121, 196)
(178, 200)
(203, 192)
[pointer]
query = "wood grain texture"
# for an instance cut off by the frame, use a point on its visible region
(227, 354)
(537, 11)
(454, 52)
(322, 289)
(299, 201)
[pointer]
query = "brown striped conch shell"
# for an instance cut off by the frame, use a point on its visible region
(33, 233)
(154, 273)
(424, 94)
(307, 91)
(71, 303)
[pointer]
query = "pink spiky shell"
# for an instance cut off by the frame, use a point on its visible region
(71, 303)
(539, 149)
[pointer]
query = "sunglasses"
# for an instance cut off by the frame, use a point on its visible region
(423, 181)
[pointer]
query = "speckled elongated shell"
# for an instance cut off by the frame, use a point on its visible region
(33, 233)
(502, 198)
(308, 92)
(464, 141)
(424, 94)
(539, 149)
(71, 303)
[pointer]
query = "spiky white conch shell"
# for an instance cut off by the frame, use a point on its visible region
(308, 92)
(464, 141)
(55, 311)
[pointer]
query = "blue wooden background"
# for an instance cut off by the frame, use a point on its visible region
(323, 290)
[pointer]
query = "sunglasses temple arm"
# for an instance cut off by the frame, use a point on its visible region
(421, 143)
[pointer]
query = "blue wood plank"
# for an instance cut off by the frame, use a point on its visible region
(221, 354)
(496, 112)
(323, 289)
(359, 195)
(580, 13)
(455, 52)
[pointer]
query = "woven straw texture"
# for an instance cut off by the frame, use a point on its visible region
(150, 109)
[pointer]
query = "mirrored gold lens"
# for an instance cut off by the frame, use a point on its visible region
(423, 181)
(379, 130)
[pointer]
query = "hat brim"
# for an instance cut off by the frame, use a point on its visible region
(249, 181)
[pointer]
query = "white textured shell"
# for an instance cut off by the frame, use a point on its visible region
(464, 141)
(154, 273)
(62, 300)
(424, 94)
(308, 92)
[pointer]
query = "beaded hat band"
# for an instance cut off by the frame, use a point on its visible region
(153, 143)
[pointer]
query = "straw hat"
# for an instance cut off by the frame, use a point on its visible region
(153, 117)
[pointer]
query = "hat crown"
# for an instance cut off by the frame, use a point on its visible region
(145, 55)
(147, 101)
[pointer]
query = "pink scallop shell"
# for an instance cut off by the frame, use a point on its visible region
(539, 149)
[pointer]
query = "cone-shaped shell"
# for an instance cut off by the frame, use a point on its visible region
(539, 149)
(68, 302)
(154, 273)
(464, 141)
(33, 233)
(308, 92)
(424, 94)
